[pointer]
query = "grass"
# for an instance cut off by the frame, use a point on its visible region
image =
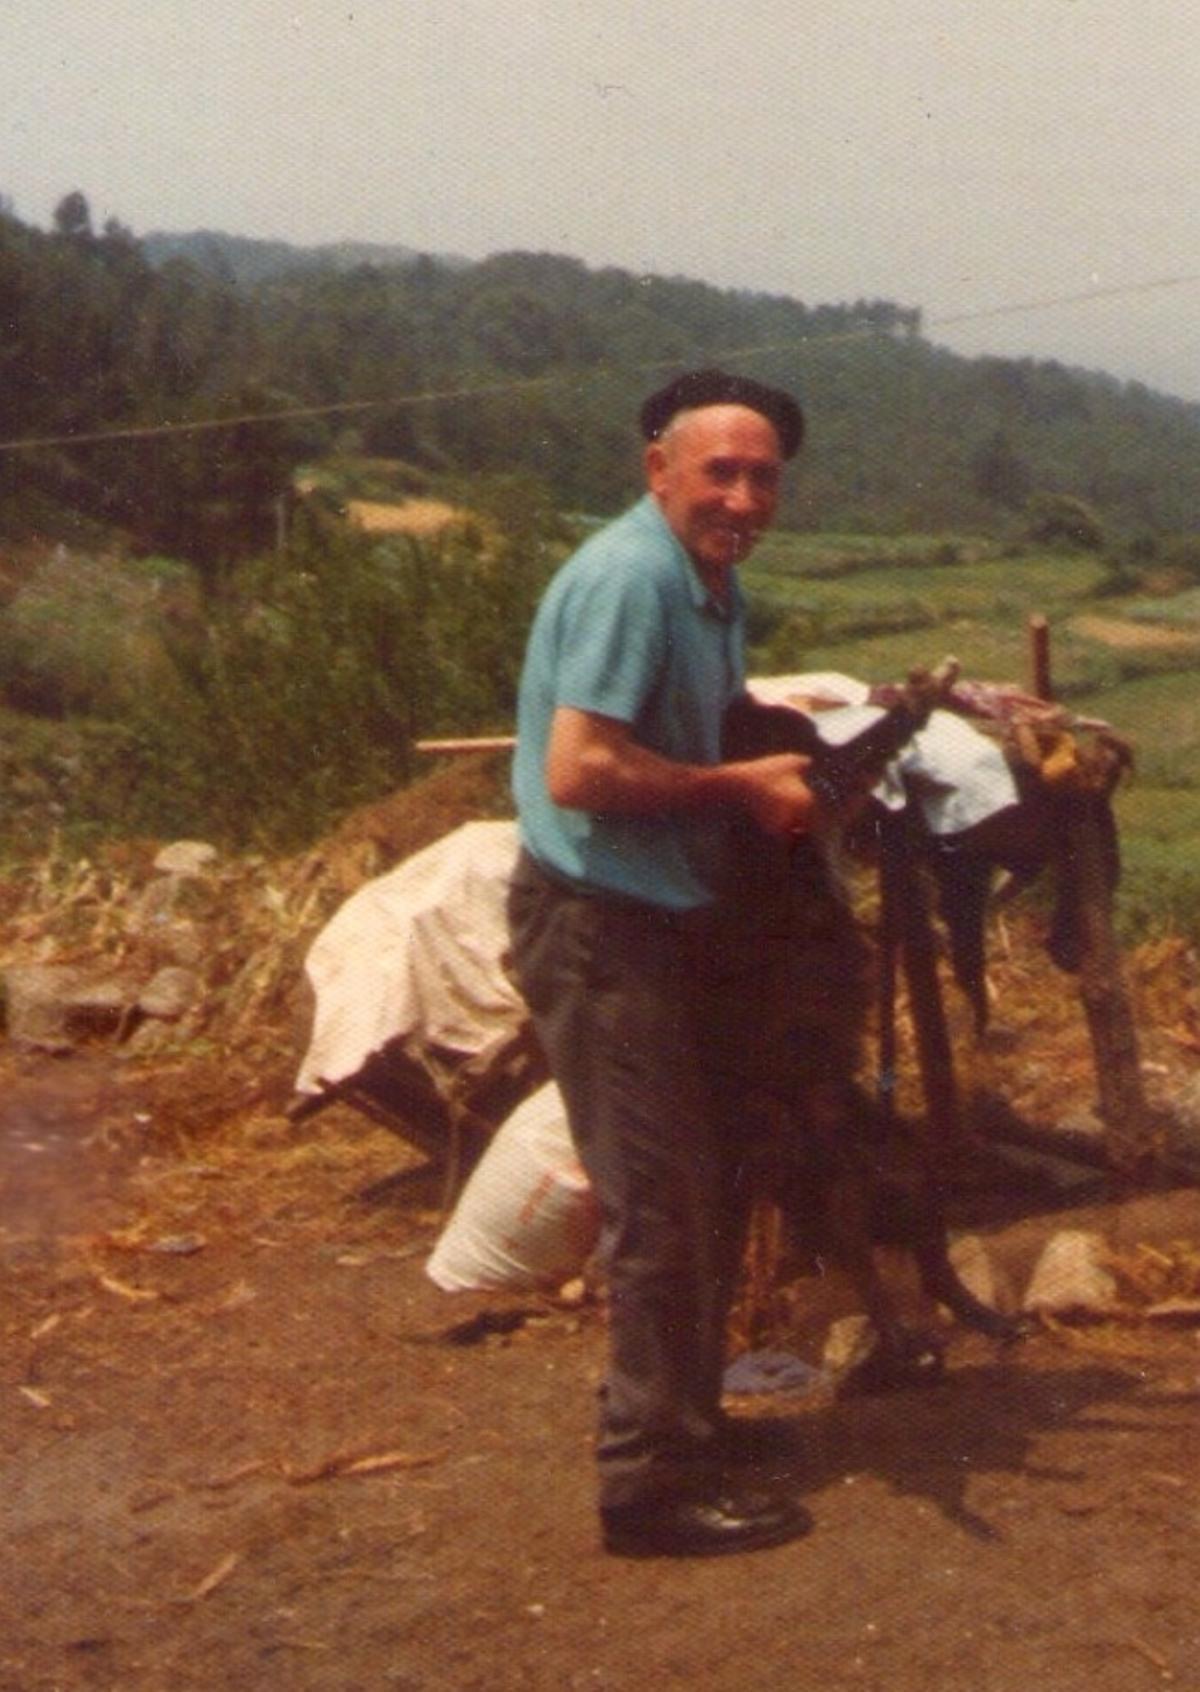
(877, 608)
(1181, 610)
(945, 567)
(1161, 716)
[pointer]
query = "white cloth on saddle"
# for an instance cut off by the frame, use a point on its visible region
(417, 952)
(959, 776)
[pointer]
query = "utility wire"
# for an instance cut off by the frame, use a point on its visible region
(1112, 292)
(149, 431)
(145, 431)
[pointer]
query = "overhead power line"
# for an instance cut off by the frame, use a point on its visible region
(1112, 292)
(194, 426)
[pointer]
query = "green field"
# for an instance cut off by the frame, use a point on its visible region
(874, 608)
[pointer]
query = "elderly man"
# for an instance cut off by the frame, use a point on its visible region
(624, 806)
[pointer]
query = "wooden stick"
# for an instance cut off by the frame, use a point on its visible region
(1122, 1105)
(482, 743)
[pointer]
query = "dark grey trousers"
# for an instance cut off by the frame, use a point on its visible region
(627, 1001)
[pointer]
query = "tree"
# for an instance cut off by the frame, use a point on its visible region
(998, 474)
(515, 330)
(73, 216)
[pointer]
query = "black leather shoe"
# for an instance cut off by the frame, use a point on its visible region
(704, 1526)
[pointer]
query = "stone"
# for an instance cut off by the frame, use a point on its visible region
(171, 992)
(977, 1270)
(851, 1340)
(159, 918)
(154, 1038)
(1083, 1122)
(186, 857)
(52, 1006)
(35, 1005)
(1069, 1278)
(98, 1007)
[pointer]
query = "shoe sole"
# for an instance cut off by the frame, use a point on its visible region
(635, 1545)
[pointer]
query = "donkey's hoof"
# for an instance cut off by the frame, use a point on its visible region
(910, 1360)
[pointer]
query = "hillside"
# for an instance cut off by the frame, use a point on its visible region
(242, 259)
(526, 362)
(199, 636)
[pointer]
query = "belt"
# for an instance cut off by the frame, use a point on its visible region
(531, 869)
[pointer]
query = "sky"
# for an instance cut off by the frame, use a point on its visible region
(979, 159)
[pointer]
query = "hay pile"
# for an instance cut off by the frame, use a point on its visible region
(254, 920)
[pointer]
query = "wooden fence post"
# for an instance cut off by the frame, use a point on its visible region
(1121, 1102)
(1039, 655)
(1089, 850)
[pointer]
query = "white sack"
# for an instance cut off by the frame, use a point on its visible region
(527, 1217)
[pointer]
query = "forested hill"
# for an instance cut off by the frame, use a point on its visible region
(541, 362)
(240, 258)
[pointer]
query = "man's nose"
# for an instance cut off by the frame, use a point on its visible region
(742, 496)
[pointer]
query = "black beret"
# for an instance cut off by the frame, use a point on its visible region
(697, 388)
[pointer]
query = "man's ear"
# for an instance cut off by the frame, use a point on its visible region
(656, 463)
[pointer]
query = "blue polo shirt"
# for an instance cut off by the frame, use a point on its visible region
(628, 630)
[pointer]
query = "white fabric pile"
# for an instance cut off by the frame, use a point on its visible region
(417, 953)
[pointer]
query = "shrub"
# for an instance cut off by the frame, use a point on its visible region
(303, 692)
(86, 634)
(1062, 519)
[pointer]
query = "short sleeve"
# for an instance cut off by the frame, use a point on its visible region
(612, 642)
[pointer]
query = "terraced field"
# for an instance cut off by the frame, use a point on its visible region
(875, 607)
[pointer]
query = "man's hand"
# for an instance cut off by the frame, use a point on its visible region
(775, 792)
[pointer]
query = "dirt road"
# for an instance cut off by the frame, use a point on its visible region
(241, 1448)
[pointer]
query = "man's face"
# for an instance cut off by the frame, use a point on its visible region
(715, 474)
